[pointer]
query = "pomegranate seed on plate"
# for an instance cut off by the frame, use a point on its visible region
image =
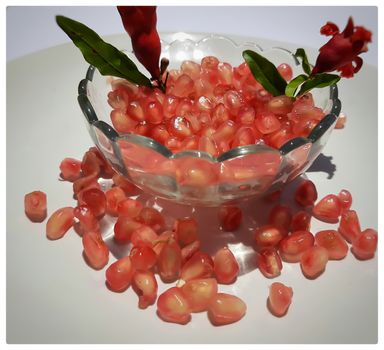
(349, 226)
(129, 207)
(87, 221)
(169, 261)
(151, 217)
(143, 257)
(306, 193)
(230, 218)
(35, 206)
(143, 235)
(269, 262)
(59, 222)
(301, 221)
(285, 71)
(186, 231)
(280, 216)
(161, 240)
(199, 293)
(114, 196)
(226, 267)
(85, 183)
(145, 285)
(123, 229)
(119, 274)
(335, 244)
(313, 261)
(345, 198)
(121, 182)
(96, 251)
(280, 298)
(365, 244)
(189, 250)
(90, 164)
(267, 236)
(95, 199)
(328, 209)
(200, 265)
(225, 309)
(293, 246)
(172, 306)
(70, 169)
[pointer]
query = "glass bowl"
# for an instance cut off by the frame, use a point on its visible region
(195, 177)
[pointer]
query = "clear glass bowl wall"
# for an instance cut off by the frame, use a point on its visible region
(195, 177)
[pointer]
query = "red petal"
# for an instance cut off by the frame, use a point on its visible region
(347, 70)
(329, 29)
(349, 28)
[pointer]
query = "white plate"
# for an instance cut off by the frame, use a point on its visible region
(54, 297)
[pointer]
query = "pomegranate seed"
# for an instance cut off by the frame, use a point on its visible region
(172, 306)
(200, 265)
(340, 123)
(106, 170)
(119, 274)
(122, 122)
(114, 196)
(225, 73)
(87, 221)
(161, 240)
(85, 183)
(170, 105)
(345, 198)
(301, 221)
(143, 257)
(267, 236)
(244, 136)
(220, 114)
(135, 111)
(129, 207)
(189, 250)
(169, 261)
(96, 251)
(267, 123)
(280, 105)
(328, 209)
(333, 242)
(154, 112)
(143, 235)
(59, 223)
(280, 298)
(273, 196)
(123, 229)
(190, 68)
(225, 309)
(70, 169)
(269, 262)
(145, 285)
(186, 231)
(364, 245)
(209, 62)
(121, 182)
(230, 218)
(285, 71)
(151, 217)
(225, 132)
(306, 194)
(95, 199)
(280, 216)
(199, 293)
(313, 261)
(183, 86)
(226, 267)
(349, 225)
(209, 145)
(35, 206)
(292, 247)
(90, 164)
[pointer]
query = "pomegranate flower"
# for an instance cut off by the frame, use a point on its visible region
(342, 51)
(140, 24)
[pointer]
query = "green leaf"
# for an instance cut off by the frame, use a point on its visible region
(265, 73)
(300, 53)
(105, 57)
(292, 86)
(318, 81)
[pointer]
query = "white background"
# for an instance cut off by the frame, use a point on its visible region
(30, 29)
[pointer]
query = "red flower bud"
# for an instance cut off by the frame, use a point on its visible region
(342, 51)
(140, 24)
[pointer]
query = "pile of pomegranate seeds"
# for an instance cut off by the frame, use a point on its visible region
(212, 107)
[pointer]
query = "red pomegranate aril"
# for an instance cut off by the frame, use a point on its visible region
(280, 216)
(190, 143)
(161, 240)
(190, 68)
(293, 246)
(335, 244)
(189, 250)
(273, 196)
(280, 298)
(233, 101)
(135, 111)
(225, 132)
(35, 206)
(269, 262)
(87, 221)
(280, 105)
(142, 128)
(119, 274)
(70, 169)
(151, 217)
(200, 265)
(183, 86)
(230, 218)
(129, 207)
(143, 257)
(90, 164)
(96, 251)
(267, 123)
(209, 145)
(145, 285)
(345, 198)
(84, 183)
(268, 236)
(220, 114)
(186, 230)
(313, 261)
(114, 196)
(154, 112)
(123, 229)
(169, 261)
(226, 267)
(172, 306)
(209, 62)
(159, 133)
(225, 309)
(306, 194)
(349, 226)
(59, 223)
(199, 293)
(301, 221)
(285, 71)
(122, 122)
(106, 170)
(128, 187)
(95, 199)
(225, 72)
(328, 209)
(244, 136)
(365, 244)
(143, 235)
